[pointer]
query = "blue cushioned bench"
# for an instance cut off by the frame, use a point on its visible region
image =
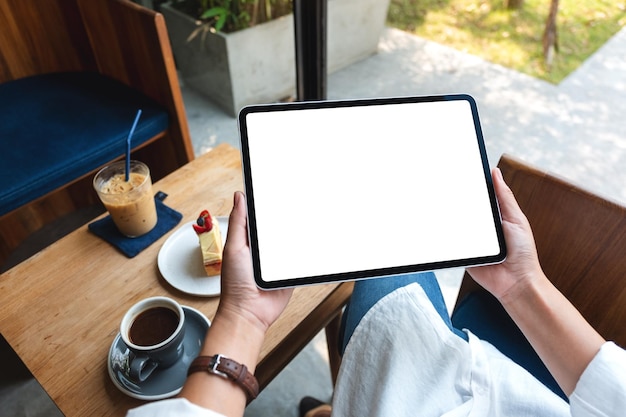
(56, 128)
(71, 82)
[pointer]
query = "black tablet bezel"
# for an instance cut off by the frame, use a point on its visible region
(369, 273)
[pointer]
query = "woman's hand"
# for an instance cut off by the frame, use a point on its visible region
(239, 326)
(522, 264)
(562, 338)
(239, 294)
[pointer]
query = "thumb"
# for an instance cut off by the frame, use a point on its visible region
(238, 222)
(509, 208)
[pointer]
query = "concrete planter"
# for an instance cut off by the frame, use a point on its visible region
(257, 65)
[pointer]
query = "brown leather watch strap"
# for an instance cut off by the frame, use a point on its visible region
(227, 368)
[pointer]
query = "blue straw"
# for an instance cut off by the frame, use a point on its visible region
(130, 135)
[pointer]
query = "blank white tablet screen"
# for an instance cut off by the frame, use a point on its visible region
(367, 187)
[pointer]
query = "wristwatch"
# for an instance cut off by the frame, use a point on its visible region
(229, 369)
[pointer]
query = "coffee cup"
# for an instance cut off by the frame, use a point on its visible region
(130, 203)
(153, 330)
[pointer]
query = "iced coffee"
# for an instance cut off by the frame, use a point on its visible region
(130, 203)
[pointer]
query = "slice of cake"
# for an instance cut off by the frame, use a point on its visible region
(208, 231)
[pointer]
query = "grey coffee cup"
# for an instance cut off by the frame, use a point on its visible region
(153, 330)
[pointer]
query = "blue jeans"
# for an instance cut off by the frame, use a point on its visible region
(479, 312)
(367, 293)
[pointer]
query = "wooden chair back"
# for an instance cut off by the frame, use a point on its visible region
(581, 241)
(130, 43)
(42, 37)
(117, 38)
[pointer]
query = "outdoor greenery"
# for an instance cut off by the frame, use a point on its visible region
(513, 38)
(233, 15)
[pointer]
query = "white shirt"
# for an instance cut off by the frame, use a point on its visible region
(403, 360)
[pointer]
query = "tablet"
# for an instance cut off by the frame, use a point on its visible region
(344, 190)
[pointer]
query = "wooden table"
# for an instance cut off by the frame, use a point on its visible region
(61, 309)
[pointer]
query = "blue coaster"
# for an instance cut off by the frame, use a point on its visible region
(167, 218)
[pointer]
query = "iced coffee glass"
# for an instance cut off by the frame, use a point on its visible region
(130, 203)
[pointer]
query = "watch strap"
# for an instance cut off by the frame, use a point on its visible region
(227, 368)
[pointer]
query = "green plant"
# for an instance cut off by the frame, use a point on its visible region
(232, 15)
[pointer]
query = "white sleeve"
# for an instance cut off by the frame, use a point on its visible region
(601, 390)
(179, 407)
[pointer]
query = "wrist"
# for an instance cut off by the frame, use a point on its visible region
(525, 289)
(531, 301)
(235, 337)
(241, 318)
(223, 367)
(238, 338)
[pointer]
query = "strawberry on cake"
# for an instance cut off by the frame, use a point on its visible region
(208, 231)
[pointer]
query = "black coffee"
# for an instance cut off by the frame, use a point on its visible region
(153, 326)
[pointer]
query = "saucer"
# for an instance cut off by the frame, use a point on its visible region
(180, 261)
(163, 383)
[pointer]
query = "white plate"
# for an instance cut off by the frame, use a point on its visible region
(180, 261)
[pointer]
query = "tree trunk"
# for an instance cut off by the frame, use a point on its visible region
(514, 4)
(550, 38)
